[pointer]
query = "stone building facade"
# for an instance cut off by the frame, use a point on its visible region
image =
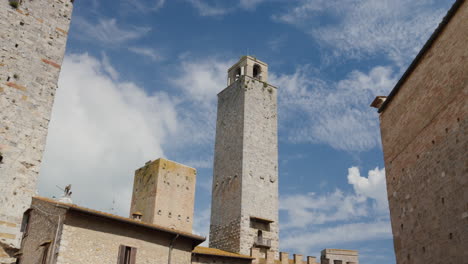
(424, 132)
(33, 37)
(60, 233)
(164, 194)
(339, 256)
(244, 209)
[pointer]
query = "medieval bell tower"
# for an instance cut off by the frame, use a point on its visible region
(244, 209)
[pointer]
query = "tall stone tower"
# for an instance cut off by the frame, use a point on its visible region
(164, 194)
(244, 208)
(33, 35)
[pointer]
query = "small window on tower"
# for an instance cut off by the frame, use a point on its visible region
(237, 74)
(257, 71)
(260, 223)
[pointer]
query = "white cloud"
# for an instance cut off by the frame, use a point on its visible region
(314, 222)
(250, 4)
(372, 187)
(396, 28)
(217, 8)
(203, 79)
(208, 9)
(101, 130)
(143, 6)
(334, 113)
(107, 31)
(329, 237)
(310, 209)
(146, 52)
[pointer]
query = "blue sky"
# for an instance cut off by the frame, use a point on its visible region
(140, 78)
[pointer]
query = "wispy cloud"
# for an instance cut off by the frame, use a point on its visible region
(336, 113)
(150, 53)
(142, 6)
(356, 29)
(329, 237)
(315, 221)
(209, 9)
(108, 32)
(218, 8)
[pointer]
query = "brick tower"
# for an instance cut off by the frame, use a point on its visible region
(244, 208)
(33, 35)
(164, 194)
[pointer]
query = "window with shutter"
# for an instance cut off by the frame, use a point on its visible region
(127, 255)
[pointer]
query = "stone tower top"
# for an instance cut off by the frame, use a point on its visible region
(164, 193)
(249, 66)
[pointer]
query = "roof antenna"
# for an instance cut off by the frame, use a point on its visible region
(66, 197)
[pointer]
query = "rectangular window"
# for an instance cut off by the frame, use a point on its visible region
(25, 222)
(127, 255)
(260, 223)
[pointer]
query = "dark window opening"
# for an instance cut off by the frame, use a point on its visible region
(127, 255)
(237, 74)
(260, 224)
(45, 253)
(25, 223)
(260, 235)
(256, 71)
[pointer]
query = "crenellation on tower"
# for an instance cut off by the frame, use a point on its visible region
(33, 37)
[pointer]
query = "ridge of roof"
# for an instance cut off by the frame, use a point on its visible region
(85, 210)
(421, 53)
(218, 252)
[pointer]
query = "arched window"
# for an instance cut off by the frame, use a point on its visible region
(257, 71)
(237, 74)
(260, 235)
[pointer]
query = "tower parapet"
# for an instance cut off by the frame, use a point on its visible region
(33, 36)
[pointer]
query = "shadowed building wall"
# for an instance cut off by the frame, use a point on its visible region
(424, 137)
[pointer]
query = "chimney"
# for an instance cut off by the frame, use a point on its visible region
(297, 259)
(311, 260)
(284, 258)
(378, 101)
(137, 216)
(270, 257)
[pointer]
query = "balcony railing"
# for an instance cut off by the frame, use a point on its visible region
(262, 242)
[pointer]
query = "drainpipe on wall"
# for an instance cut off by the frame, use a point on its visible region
(170, 249)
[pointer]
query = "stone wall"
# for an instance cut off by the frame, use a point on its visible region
(32, 45)
(260, 163)
(42, 236)
(87, 239)
(339, 256)
(245, 180)
(424, 138)
(227, 170)
(164, 192)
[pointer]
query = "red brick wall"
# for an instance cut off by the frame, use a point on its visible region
(424, 138)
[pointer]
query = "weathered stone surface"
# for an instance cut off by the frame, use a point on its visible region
(164, 192)
(245, 180)
(28, 36)
(424, 138)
